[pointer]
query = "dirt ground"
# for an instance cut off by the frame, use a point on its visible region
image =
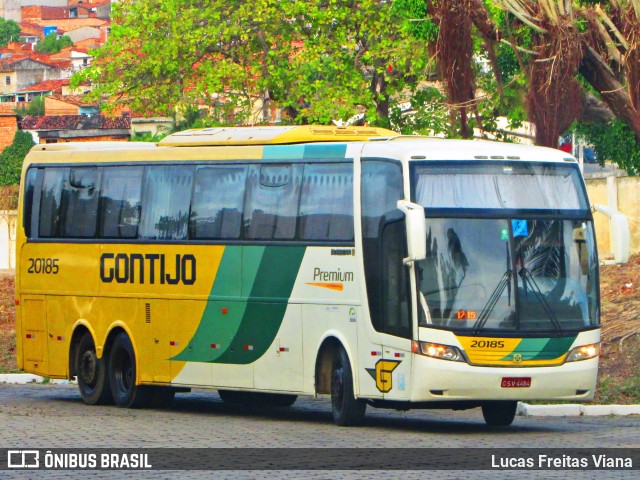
(620, 293)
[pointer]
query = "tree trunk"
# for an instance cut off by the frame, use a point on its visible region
(596, 71)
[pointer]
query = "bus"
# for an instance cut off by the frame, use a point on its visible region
(271, 262)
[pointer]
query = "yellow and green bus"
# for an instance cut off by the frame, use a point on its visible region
(271, 262)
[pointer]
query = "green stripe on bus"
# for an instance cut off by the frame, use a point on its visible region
(275, 280)
(555, 348)
(541, 348)
(324, 150)
(216, 327)
(241, 331)
(282, 152)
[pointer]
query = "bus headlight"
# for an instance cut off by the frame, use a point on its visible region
(437, 350)
(584, 352)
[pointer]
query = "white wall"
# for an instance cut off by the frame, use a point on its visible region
(8, 221)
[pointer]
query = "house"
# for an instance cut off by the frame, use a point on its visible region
(56, 105)
(77, 128)
(84, 33)
(68, 25)
(17, 74)
(31, 32)
(10, 10)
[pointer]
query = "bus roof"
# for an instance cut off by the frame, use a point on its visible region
(415, 148)
(273, 135)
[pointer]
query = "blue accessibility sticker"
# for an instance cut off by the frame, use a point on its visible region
(520, 228)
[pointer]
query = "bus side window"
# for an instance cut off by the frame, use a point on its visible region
(79, 212)
(326, 202)
(271, 208)
(166, 201)
(120, 202)
(52, 183)
(32, 195)
(216, 207)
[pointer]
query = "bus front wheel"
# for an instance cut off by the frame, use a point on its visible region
(499, 413)
(91, 373)
(347, 410)
(122, 375)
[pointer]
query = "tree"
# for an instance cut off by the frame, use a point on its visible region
(53, 44)
(12, 157)
(318, 61)
(9, 31)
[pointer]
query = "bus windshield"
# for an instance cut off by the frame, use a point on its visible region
(529, 266)
(509, 275)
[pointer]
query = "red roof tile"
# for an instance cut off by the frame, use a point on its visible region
(74, 122)
(48, 85)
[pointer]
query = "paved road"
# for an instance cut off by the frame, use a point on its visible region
(46, 416)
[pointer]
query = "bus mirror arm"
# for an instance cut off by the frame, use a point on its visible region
(416, 231)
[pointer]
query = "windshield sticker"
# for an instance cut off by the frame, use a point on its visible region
(520, 228)
(504, 234)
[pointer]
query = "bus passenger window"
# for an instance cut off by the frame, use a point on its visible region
(120, 202)
(326, 202)
(32, 192)
(167, 195)
(50, 202)
(216, 207)
(79, 210)
(272, 202)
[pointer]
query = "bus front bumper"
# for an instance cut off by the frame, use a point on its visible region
(442, 380)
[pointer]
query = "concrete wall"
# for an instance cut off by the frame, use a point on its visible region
(620, 192)
(8, 222)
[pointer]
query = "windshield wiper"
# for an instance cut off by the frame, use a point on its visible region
(527, 278)
(505, 282)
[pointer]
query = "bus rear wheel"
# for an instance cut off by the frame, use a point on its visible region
(499, 413)
(347, 410)
(91, 373)
(122, 375)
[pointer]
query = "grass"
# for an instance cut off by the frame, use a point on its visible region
(619, 377)
(7, 351)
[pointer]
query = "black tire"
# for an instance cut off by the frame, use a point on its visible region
(122, 375)
(257, 399)
(91, 373)
(499, 413)
(347, 410)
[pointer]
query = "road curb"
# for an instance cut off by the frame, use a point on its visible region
(25, 378)
(576, 410)
(524, 409)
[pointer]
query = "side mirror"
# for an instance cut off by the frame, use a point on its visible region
(416, 230)
(618, 232)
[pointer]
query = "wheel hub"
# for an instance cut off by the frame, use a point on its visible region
(88, 367)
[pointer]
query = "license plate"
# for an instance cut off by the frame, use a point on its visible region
(516, 382)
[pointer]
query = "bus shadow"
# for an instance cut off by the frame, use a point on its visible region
(318, 412)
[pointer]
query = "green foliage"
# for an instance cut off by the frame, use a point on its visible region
(12, 157)
(318, 65)
(53, 44)
(613, 141)
(9, 30)
(33, 108)
(427, 115)
(415, 21)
